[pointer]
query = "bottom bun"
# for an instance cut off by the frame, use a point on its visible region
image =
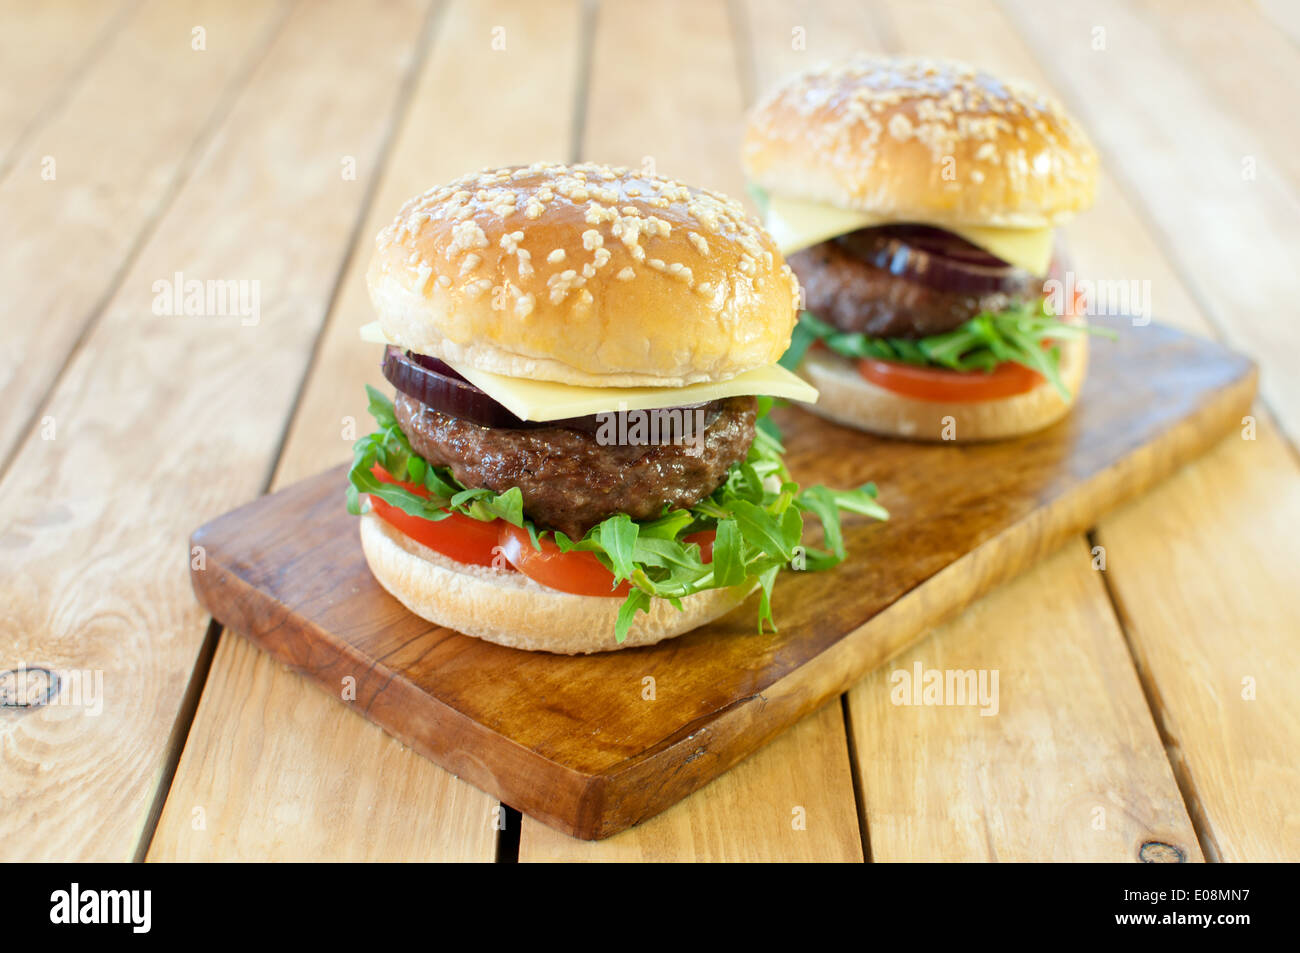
(510, 609)
(848, 398)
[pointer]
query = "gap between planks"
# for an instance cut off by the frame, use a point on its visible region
(184, 169)
(1192, 799)
(1134, 196)
(742, 39)
(198, 679)
(1182, 777)
(57, 100)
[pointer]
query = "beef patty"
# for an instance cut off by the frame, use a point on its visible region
(846, 287)
(570, 481)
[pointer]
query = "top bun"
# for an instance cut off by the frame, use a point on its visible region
(922, 140)
(583, 274)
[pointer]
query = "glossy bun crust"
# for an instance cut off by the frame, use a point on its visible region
(583, 274)
(921, 140)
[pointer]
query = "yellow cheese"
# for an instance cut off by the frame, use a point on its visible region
(547, 400)
(796, 224)
(372, 333)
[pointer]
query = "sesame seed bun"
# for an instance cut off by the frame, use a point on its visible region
(849, 398)
(916, 140)
(583, 274)
(510, 609)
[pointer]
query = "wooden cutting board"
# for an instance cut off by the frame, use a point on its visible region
(582, 743)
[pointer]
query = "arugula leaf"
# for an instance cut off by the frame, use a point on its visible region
(728, 560)
(980, 344)
(617, 537)
(638, 600)
(801, 338)
(757, 516)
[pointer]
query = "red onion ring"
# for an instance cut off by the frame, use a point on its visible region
(938, 259)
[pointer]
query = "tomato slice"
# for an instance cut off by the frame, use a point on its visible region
(941, 384)
(579, 573)
(458, 537)
(468, 540)
(705, 538)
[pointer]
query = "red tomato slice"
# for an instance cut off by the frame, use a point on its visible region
(705, 538)
(458, 537)
(579, 573)
(942, 384)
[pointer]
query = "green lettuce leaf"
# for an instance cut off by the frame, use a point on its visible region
(757, 514)
(980, 344)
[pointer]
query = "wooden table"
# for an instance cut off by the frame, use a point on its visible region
(1152, 703)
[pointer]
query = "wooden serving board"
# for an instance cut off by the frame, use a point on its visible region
(575, 741)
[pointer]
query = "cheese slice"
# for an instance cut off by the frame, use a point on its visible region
(796, 224)
(547, 400)
(372, 333)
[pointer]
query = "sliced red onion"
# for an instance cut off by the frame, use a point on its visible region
(436, 385)
(938, 259)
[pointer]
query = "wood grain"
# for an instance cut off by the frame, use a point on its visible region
(301, 756)
(912, 810)
(1245, 67)
(699, 145)
(1066, 767)
(1239, 496)
(571, 741)
(1162, 159)
(303, 788)
(44, 49)
(1204, 574)
(67, 240)
(160, 418)
(791, 802)
(267, 775)
(1283, 14)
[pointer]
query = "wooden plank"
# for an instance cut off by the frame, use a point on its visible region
(44, 49)
(1193, 179)
(572, 741)
(783, 39)
(1284, 14)
(898, 805)
(1204, 573)
(1245, 68)
(271, 773)
(302, 753)
(1059, 761)
(67, 239)
(977, 33)
(792, 801)
(642, 60)
(160, 419)
(684, 50)
(1237, 792)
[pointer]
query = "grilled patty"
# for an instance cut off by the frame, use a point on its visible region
(570, 481)
(855, 295)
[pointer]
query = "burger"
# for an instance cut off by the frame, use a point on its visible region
(576, 457)
(916, 201)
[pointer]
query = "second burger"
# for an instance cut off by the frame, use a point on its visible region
(917, 202)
